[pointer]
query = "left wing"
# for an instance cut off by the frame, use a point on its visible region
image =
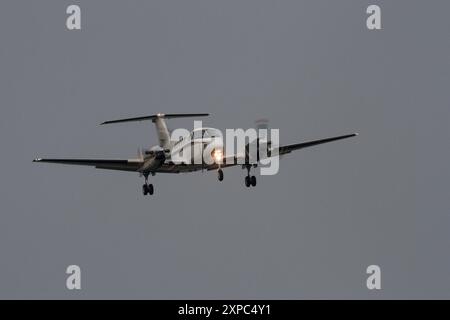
(233, 160)
(122, 165)
(289, 148)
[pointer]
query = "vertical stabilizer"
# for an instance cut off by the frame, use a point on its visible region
(162, 132)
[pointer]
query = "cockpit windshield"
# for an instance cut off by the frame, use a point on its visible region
(205, 133)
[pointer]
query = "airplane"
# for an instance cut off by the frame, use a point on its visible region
(158, 159)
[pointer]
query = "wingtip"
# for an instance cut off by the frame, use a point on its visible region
(37, 160)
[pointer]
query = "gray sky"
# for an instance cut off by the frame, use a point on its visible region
(311, 67)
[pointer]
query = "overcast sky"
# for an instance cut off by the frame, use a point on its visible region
(311, 67)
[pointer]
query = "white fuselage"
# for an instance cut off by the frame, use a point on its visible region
(196, 147)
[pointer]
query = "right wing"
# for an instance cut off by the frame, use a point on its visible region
(122, 165)
(131, 165)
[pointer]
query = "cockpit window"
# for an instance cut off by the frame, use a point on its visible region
(205, 133)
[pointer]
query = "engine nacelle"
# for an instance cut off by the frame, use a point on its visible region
(153, 160)
(257, 149)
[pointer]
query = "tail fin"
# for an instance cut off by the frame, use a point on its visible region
(161, 127)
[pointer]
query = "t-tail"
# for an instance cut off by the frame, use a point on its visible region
(160, 124)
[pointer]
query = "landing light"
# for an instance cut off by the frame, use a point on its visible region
(217, 155)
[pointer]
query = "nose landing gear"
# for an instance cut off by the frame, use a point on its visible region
(220, 174)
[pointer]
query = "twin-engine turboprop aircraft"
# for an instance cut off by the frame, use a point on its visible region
(189, 151)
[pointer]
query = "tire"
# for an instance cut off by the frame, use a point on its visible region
(253, 181)
(220, 175)
(144, 189)
(150, 189)
(247, 181)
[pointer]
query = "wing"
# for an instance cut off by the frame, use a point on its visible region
(122, 165)
(131, 165)
(240, 159)
(292, 147)
(181, 168)
(135, 164)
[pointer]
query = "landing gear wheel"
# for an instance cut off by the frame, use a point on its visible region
(253, 181)
(145, 189)
(247, 181)
(150, 189)
(220, 175)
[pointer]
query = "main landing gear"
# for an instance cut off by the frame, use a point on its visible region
(249, 180)
(147, 188)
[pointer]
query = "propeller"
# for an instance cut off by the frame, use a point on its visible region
(263, 124)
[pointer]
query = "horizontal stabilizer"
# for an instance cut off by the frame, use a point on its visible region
(159, 115)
